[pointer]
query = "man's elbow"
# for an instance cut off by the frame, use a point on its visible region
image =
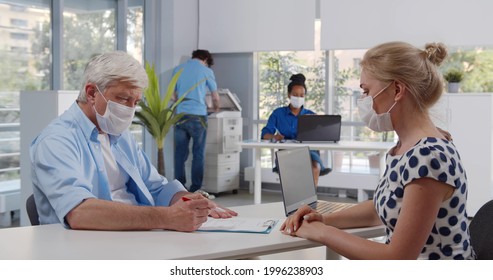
(77, 218)
(74, 220)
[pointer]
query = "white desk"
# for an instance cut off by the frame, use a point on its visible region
(56, 242)
(380, 147)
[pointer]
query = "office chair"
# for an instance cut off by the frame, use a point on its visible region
(32, 212)
(481, 230)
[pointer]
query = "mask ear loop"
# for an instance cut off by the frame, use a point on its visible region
(391, 107)
(382, 90)
(101, 93)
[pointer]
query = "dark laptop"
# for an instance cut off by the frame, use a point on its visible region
(319, 128)
(297, 183)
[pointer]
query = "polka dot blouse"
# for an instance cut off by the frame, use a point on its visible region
(437, 159)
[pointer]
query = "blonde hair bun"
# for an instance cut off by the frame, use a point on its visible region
(436, 52)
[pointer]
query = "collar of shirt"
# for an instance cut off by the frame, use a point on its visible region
(89, 129)
(303, 111)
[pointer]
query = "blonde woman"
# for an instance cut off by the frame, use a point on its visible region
(421, 197)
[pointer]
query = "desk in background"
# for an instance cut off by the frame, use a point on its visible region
(380, 147)
(54, 242)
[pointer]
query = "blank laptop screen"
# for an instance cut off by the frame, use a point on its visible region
(295, 173)
(319, 128)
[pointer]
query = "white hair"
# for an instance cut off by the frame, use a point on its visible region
(116, 66)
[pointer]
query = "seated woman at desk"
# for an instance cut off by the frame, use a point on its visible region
(421, 197)
(283, 122)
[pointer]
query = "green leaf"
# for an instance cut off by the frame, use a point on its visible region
(159, 115)
(171, 89)
(153, 125)
(174, 120)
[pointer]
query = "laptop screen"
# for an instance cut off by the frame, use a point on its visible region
(295, 174)
(319, 128)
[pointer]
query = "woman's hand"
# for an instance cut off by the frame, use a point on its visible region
(293, 222)
(312, 230)
(278, 137)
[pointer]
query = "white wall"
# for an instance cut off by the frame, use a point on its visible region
(362, 24)
(256, 25)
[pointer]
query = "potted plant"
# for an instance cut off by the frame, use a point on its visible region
(159, 115)
(453, 78)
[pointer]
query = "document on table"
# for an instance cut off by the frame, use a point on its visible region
(239, 224)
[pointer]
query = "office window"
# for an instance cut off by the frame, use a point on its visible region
(88, 30)
(19, 50)
(19, 36)
(17, 8)
(18, 22)
(477, 64)
(328, 92)
(21, 68)
(135, 30)
(275, 69)
(135, 47)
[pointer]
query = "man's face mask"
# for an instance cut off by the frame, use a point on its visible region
(117, 117)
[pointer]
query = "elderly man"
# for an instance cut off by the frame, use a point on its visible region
(88, 171)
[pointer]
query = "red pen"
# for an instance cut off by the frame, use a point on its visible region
(185, 198)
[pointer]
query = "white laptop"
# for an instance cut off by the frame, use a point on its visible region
(297, 183)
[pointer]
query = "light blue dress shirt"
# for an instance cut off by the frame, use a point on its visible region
(68, 167)
(194, 72)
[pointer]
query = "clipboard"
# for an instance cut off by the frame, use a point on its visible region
(239, 224)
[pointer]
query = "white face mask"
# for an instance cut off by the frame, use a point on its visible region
(376, 122)
(297, 102)
(117, 117)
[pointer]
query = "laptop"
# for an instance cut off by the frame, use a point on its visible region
(319, 128)
(297, 183)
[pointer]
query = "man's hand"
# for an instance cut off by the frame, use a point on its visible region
(188, 213)
(219, 212)
(216, 101)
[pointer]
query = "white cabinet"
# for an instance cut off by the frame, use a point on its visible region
(222, 172)
(222, 160)
(223, 145)
(38, 109)
(469, 118)
(224, 133)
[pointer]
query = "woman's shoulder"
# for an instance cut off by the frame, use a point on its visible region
(306, 111)
(428, 145)
(281, 110)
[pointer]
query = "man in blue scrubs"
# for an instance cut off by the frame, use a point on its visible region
(196, 72)
(89, 172)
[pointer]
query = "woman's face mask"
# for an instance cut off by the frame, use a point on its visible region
(117, 117)
(376, 122)
(296, 101)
